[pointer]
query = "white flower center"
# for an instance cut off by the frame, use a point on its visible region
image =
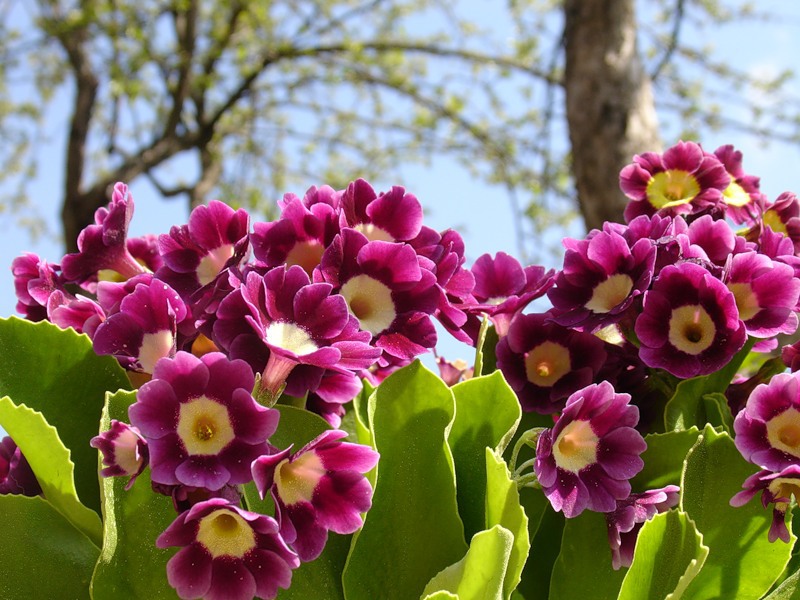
(225, 533)
(691, 330)
(374, 233)
(154, 347)
(211, 264)
(576, 446)
(369, 301)
(291, 337)
(610, 293)
(307, 254)
(204, 426)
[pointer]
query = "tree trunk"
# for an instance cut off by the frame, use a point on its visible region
(610, 109)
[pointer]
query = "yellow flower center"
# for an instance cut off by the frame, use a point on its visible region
(306, 254)
(576, 446)
(691, 330)
(746, 300)
(204, 426)
(297, 480)
(211, 264)
(547, 363)
(783, 431)
(610, 293)
(370, 301)
(773, 220)
(225, 533)
(734, 195)
(672, 188)
(374, 233)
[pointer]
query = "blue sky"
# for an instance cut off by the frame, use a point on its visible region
(479, 211)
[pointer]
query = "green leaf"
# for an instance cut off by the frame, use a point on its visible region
(503, 508)
(412, 530)
(583, 569)
(788, 590)
(485, 355)
(479, 575)
(360, 408)
(669, 554)
(545, 529)
(56, 372)
(742, 563)
(687, 408)
(42, 554)
(50, 462)
(130, 565)
(718, 413)
(487, 413)
(664, 459)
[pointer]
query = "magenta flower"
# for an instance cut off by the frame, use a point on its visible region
(689, 324)
(768, 429)
(124, 450)
(102, 248)
(144, 326)
(683, 180)
(305, 228)
(625, 521)
(284, 318)
(386, 290)
(317, 489)
(783, 216)
(503, 288)
(194, 254)
(16, 476)
(203, 427)
(34, 280)
(602, 276)
(393, 216)
(776, 488)
(226, 553)
(587, 458)
(744, 203)
(766, 294)
(544, 362)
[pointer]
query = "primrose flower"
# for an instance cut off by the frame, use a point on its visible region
(744, 203)
(682, 180)
(203, 427)
(689, 324)
(34, 280)
(625, 521)
(768, 429)
(503, 288)
(284, 318)
(393, 216)
(776, 488)
(386, 290)
(601, 277)
(16, 476)
(144, 327)
(544, 362)
(305, 228)
(102, 248)
(124, 450)
(319, 488)
(226, 553)
(783, 216)
(195, 253)
(587, 458)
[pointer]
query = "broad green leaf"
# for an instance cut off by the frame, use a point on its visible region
(412, 530)
(442, 596)
(56, 372)
(583, 569)
(479, 575)
(669, 554)
(546, 528)
(478, 368)
(485, 355)
(717, 411)
(687, 408)
(503, 508)
(42, 554)
(360, 408)
(664, 458)
(742, 563)
(130, 565)
(487, 412)
(788, 590)
(50, 462)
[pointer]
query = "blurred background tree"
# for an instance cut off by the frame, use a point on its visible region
(247, 99)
